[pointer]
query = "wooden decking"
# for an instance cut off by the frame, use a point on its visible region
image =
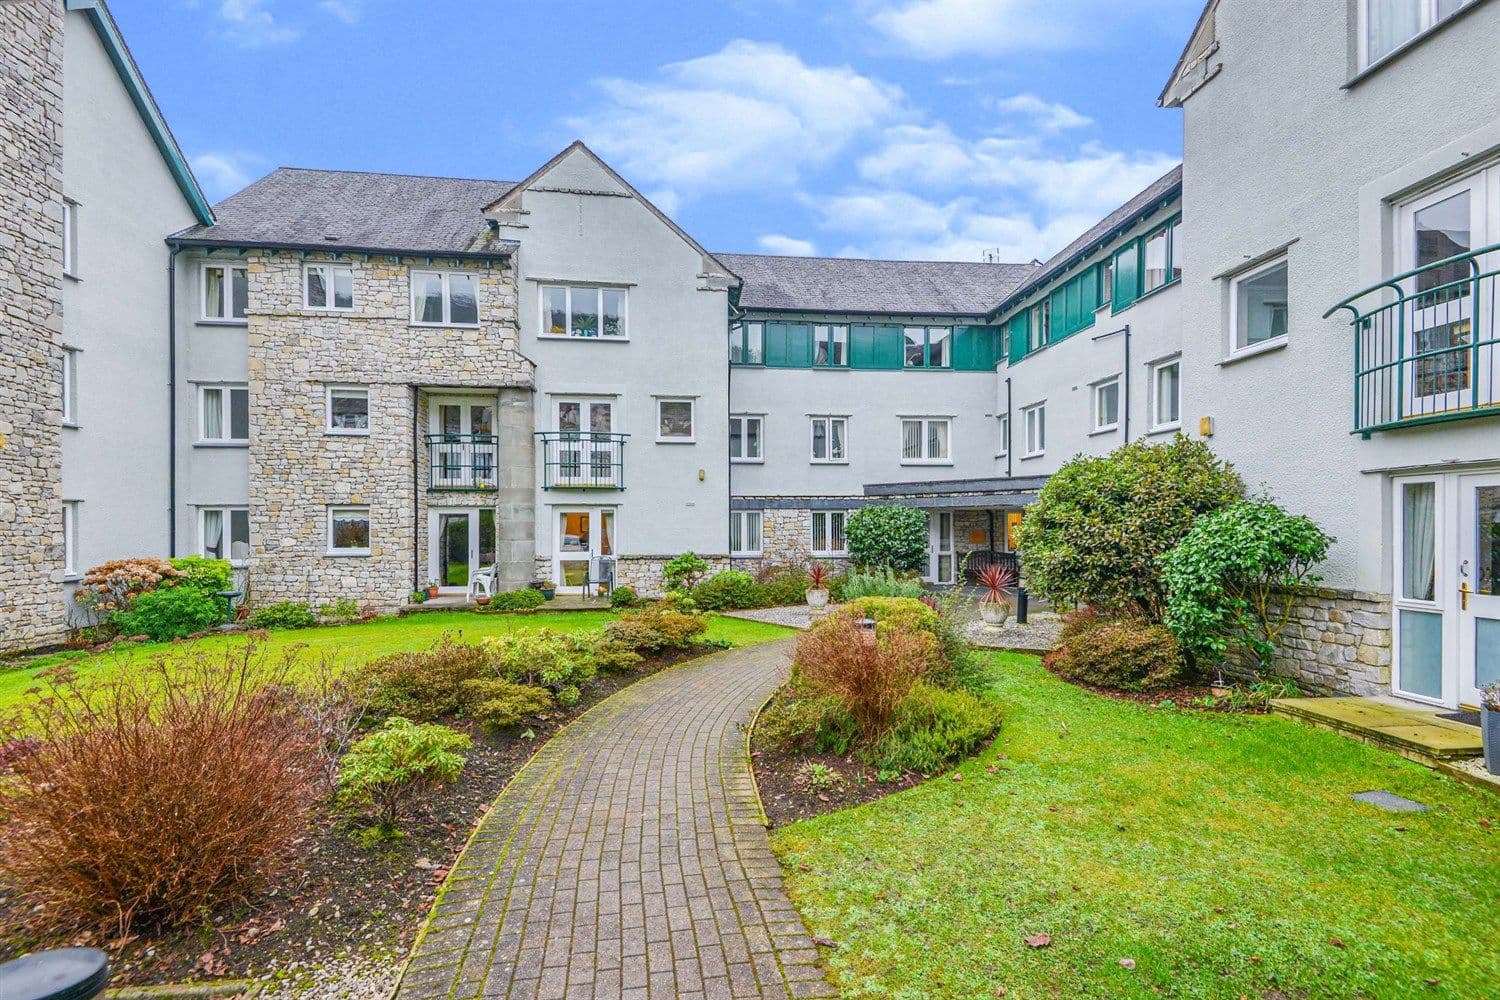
(1412, 731)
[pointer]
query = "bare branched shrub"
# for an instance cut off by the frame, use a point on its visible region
(867, 674)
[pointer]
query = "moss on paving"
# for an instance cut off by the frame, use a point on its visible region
(1222, 854)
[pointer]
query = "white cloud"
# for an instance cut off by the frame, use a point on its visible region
(1050, 115)
(348, 11)
(222, 174)
(939, 29)
(787, 246)
(250, 23)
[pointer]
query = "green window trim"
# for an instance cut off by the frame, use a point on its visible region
(936, 347)
(865, 346)
(747, 343)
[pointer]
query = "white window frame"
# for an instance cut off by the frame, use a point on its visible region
(812, 530)
(1236, 348)
(333, 512)
(1427, 15)
(744, 419)
(328, 394)
(227, 515)
(226, 415)
(743, 518)
(1096, 391)
(836, 335)
(447, 276)
(70, 238)
(925, 459)
(544, 314)
(1003, 420)
(1153, 394)
(328, 285)
(70, 538)
(70, 386)
(1034, 418)
(228, 319)
(827, 420)
(692, 435)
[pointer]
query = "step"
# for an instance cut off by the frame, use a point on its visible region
(1411, 731)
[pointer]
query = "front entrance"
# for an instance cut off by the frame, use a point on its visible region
(940, 549)
(460, 542)
(1447, 587)
(583, 537)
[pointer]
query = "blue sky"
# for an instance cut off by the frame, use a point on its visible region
(890, 128)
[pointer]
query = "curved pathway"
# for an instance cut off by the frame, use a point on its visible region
(628, 859)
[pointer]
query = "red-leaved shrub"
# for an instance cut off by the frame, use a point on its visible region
(866, 674)
(159, 794)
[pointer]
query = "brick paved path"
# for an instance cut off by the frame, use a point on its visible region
(628, 859)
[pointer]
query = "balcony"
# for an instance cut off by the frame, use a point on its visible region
(1426, 348)
(583, 460)
(463, 462)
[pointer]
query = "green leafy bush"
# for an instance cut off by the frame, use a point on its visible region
(385, 770)
(1122, 654)
(880, 583)
(170, 613)
(212, 576)
(781, 586)
(342, 611)
(543, 658)
(1234, 578)
(423, 685)
(656, 628)
(726, 591)
(525, 599)
(792, 719)
(285, 615)
(623, 597)
(603, 652)
(499, 704)
(1099, 524)
(931, 727)
(890, 536)
(683, 572)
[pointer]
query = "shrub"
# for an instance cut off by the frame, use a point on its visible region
(880, 583)
(498, 704)
(1233, 579)
(543, 658)
(1099, 524)
(603, 652)
(683, 572)
(114, 586)
(385, 770)
(892, 613)
(1122, 654)
(865, 678)
(525, 599)
(343, 611)
(285, 615)
(931, 727)
(781, 588)
(729, 590)
(792, 719)
(654, 629)
(623, 597)
(149, 798)
(211, 575)
(889, 537)
(170, 613)
(423, 685)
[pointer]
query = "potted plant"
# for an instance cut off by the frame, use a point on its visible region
(548, 589)
(1489, 725)
(994, 606)
(482, 600)
(817, 586)
(418, 596)
(432, 589)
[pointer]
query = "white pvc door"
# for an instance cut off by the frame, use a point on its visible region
(940, 568)
(1479, 585)
(585, 443)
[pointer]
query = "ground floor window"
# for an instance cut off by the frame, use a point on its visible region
(348, 531)
(224, 533)
(70, 537)
(828, 533)
(744, 532)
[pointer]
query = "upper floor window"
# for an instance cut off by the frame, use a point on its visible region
(745, 439)
(1257, 306)
(224, 533)
(831, 346)
(1036, 429)
(924, 440)
(747, 343)
(1162, 264)
(348, 409)
(674, 421)
(1386, 25)
(1004, 447)
(348, 531)
(225, 414)
(572, 311)
(744, 532)
(70, 238)
(1041, 324)
(928, 346)
(1166, 395)
(830, 439)
(226, 292)
(328, 286)
(444, 298)
(1106, 416)
(70, 386)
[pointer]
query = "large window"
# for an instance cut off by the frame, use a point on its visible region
(1257, 306)
(928, 346)
(1166, 395)
(1035, 420)
(1106, 415)
(328, 286)
(747, 344)
(744, 532)
(444, 298)
(674, 421)
(348, 531)
(348, 409)
(745, 443)
(224, 414)
(828, 533)
(1389, 24)
(831, 346)
(224, 533)
(830, 439)
(580, 311)
(70, 386)
(925, 440)
(226, 293)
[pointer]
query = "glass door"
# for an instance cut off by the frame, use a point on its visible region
(940, 568)
(586, 451)
(465, 454)
(1421, 590)
(461, 543)
(576, 540)
(1479, 585)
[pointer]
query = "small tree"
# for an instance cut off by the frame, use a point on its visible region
(890, 537)
(1233, 579)
(1094, 535)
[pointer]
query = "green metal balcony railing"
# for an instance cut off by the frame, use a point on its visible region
(1426, 344)
(583, 460)
(463, 461)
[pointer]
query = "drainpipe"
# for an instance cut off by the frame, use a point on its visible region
(1008, 434)
(171, 400)
(416, 514)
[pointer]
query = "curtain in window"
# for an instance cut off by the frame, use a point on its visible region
(213, 534)
(1391, 22)
(911, 439)
(213, 414)
(836, 431)
(937, 439)
(213, 292)
(1419, 540)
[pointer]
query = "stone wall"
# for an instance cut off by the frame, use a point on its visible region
(31, 204)
(297, 471)
(643, 573)
(786, 540)
(1339, 641)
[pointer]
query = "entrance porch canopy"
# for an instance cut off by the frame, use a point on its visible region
(960, 494)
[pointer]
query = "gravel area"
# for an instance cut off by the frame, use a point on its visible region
(363, 977)
(1039, 634)
(792, 616)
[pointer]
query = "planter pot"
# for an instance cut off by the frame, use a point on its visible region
(1489, 728)
(817, 598)
(549, 594)
(432, 592)
(994, 613)
(481, 600)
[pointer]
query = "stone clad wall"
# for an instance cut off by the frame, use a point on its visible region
(297, 471)
(1339, 640)
(31, 123)
(786, 540)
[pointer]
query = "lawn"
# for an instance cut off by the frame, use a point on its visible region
(1220, 854)
(347, 644)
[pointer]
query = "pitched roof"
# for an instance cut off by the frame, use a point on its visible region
(843, 285)
(350, 210)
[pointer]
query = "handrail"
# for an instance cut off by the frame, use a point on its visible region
(584, 435)
(1393, 282)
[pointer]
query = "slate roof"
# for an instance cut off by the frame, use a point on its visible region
(349, 210)
(842, 285)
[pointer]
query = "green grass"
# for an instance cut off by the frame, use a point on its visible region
(348, 644)
(1221, 853)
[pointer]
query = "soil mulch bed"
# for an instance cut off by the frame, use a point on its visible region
(1182, 697)
(786, 797)
(332, 897)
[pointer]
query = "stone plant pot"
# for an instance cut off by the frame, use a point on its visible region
(994, 613)
(817, 598)
(1489, 729)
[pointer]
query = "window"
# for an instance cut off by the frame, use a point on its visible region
(924, 440)
(328, 286)
(745, 439)
(70, 537)
(348, 409)
(828, 533)
(226, 293)
(1041, 324)
(1035, 418)
(348, 531)
(70, 387)
(744, 532)
(1166, 392)
(1163, 263)
(1106, 405)
(830, 439)
(1389, 24)
(674, 421)
(1257, 306)
(928, 346)
(225, 414)
(831, 346)
(569, 311)
(747, 344)
(444, 298)
(224, 533)
(1004, 448)
(70, 238)
(1106, 281)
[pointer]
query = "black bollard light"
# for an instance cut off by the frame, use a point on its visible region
(1020, 605)
(64, 974)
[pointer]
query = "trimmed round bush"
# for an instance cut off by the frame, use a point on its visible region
(1121, 654)
(170, 613)
(726, 591)
(888, 536)
(933, 726)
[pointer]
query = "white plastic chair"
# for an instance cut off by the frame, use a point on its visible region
(482, 582)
